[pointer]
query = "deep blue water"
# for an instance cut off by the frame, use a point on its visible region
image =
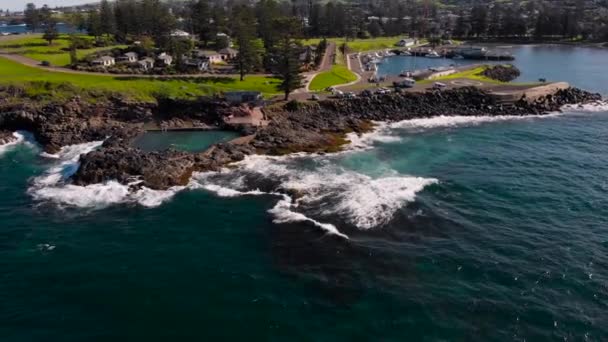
(459, 229)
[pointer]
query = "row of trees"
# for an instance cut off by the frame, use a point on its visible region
(536, 19)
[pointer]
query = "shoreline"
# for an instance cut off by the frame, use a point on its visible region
(319, 127)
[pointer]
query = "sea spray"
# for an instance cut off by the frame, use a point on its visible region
(54, 184)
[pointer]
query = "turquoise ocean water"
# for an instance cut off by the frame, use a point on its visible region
(444, 229)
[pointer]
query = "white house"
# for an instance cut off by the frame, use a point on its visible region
(164, 59)
(407, 42)
(129, 57)
(104, 61)
(212, 56)
(197, 63)
(180, 33)
(228, 53)
(146, 63)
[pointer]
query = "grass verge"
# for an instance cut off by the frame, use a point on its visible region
(339, 74)
(46, 83)
(34, 47)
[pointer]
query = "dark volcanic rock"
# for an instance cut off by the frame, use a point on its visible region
(157, 170)
(56, 125)
(318, 126)
(503, 73)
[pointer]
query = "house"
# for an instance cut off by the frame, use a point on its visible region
(129, 57)
(146, 63)
(180, 33)
(243, 96)
(104, 61)
(197, 63)
(164, 59)
(228, 53)
(212, 56)
(406, 42)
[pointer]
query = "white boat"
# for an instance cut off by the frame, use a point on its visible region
(406, 53)
(432, 54)
(376, 61)
(458, 57)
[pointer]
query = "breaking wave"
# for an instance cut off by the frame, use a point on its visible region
(20, 138)
(53, 184)
(317, 187)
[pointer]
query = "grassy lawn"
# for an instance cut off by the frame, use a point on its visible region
(339, 74)
(33, 46)
(50, 83)
(359, 45)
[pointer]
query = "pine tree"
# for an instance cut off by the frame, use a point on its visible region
(107, 19)
(250, 49)
(32, 17)
(288, 48)
(50, 25)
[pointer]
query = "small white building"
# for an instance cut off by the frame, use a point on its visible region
(406, 42)
(212, 56)
(180, 33)
(129, 57)
(197, 63)
(104, 61)
(146, 63)
(164, 59)
(228, 53)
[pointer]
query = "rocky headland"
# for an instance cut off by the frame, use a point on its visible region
(293, 127)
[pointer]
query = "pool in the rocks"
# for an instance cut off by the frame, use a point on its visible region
(191, 141)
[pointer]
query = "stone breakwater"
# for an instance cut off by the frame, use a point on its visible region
(503, 73)
(294, 127)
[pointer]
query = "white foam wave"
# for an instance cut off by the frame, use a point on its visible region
(283, 214)
(52, 185)
(326, 190)
(593, 107)
(456, 121)
(281, 211)
(20, 137)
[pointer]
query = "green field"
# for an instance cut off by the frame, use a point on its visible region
(34, 47)
(339, 74)
(359, 45)
(50, 83)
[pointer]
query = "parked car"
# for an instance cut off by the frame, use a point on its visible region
(439, 86)
(314, 97)
(406, 83)
(338, 93)
(350, 95)
(45, 63)
(330, 89)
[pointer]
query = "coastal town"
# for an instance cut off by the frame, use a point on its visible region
(314, 170)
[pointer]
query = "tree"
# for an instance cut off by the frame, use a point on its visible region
(32, 17)
(94, 24)
(250, 49)
(200, 17)
(479, 20)
(49, 23)
(107, 19)
(288, 48)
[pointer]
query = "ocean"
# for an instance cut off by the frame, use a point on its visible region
(441, 229)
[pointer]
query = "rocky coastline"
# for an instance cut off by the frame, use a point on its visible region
(293, 127)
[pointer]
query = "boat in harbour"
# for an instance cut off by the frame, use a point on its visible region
(432, 54)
